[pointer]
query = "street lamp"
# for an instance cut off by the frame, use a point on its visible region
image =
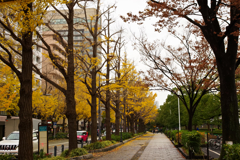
(179, 128)
(99, 115)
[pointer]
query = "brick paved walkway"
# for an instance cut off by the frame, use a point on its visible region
(160, 148)
(148, 147)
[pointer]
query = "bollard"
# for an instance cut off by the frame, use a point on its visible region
(62, 148)
(82, 143)
(55, 151)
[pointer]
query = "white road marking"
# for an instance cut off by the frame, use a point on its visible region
(214, 152)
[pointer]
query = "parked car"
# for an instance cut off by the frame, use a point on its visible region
(82, 136)
(10, 144)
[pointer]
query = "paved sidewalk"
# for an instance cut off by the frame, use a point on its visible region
(148, 147)
(160, 148)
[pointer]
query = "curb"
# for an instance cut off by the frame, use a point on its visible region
(87, 156)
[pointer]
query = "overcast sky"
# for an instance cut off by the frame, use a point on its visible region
(123, 7)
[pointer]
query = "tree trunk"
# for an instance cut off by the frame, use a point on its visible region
(124, 116)
(128, 123)
(136, 125)
(25, 151)
(84, 124)
(94, 97)
(208, 127)
(132, 123)
(63, 124)
(89, 126)
(117, 120)
(229, 105)
(70, 93)
(141, 125)
(108, 122)
(77, 123)
(190, 118)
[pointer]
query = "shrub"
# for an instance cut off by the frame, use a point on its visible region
(78, 152)
(98, 145)
(180, 136)
(217, 131)
(65, 153)
(173, 134)
(6, 157)
(191, 140)
(61, 135)
(232, 151)
(41, 155)
(115, 137)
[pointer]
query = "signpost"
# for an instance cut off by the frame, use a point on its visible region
(54, 128)
(42, 138)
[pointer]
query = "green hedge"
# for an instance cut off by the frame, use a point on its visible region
(61, 135)
(74, 152)
(232, 151)
(191, 140)
(217, 131)
(125, 135)
(98, 145)
(6, 156)
(173, 135)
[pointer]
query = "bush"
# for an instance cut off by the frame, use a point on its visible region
(65, 153)
(98, 145)
(173, 134)
(217, 131)
(115, 137)
(191, 140)
(6, 157)
(41, 155)
(232, 151)
(61, 135)
(78, 152)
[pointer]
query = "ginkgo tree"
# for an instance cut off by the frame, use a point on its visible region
(16, 42)
(9, 90)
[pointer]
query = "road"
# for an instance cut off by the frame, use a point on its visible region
(59, 143)
(215, 153)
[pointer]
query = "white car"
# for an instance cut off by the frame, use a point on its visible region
(10, 144)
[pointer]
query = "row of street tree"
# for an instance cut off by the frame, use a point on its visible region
(215, 25)
(123, 92)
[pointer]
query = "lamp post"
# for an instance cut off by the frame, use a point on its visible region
(99, 115)
(179, 115)
(179, 128)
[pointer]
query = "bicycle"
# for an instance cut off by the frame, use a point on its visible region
(215, 143)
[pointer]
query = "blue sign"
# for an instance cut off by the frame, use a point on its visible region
(54, 123)
(42, 128)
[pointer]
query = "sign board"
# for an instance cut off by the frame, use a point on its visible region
(43, 138)
(49, 122)
(54, 124)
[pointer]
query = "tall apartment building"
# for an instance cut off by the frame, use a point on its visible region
(58, 23)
